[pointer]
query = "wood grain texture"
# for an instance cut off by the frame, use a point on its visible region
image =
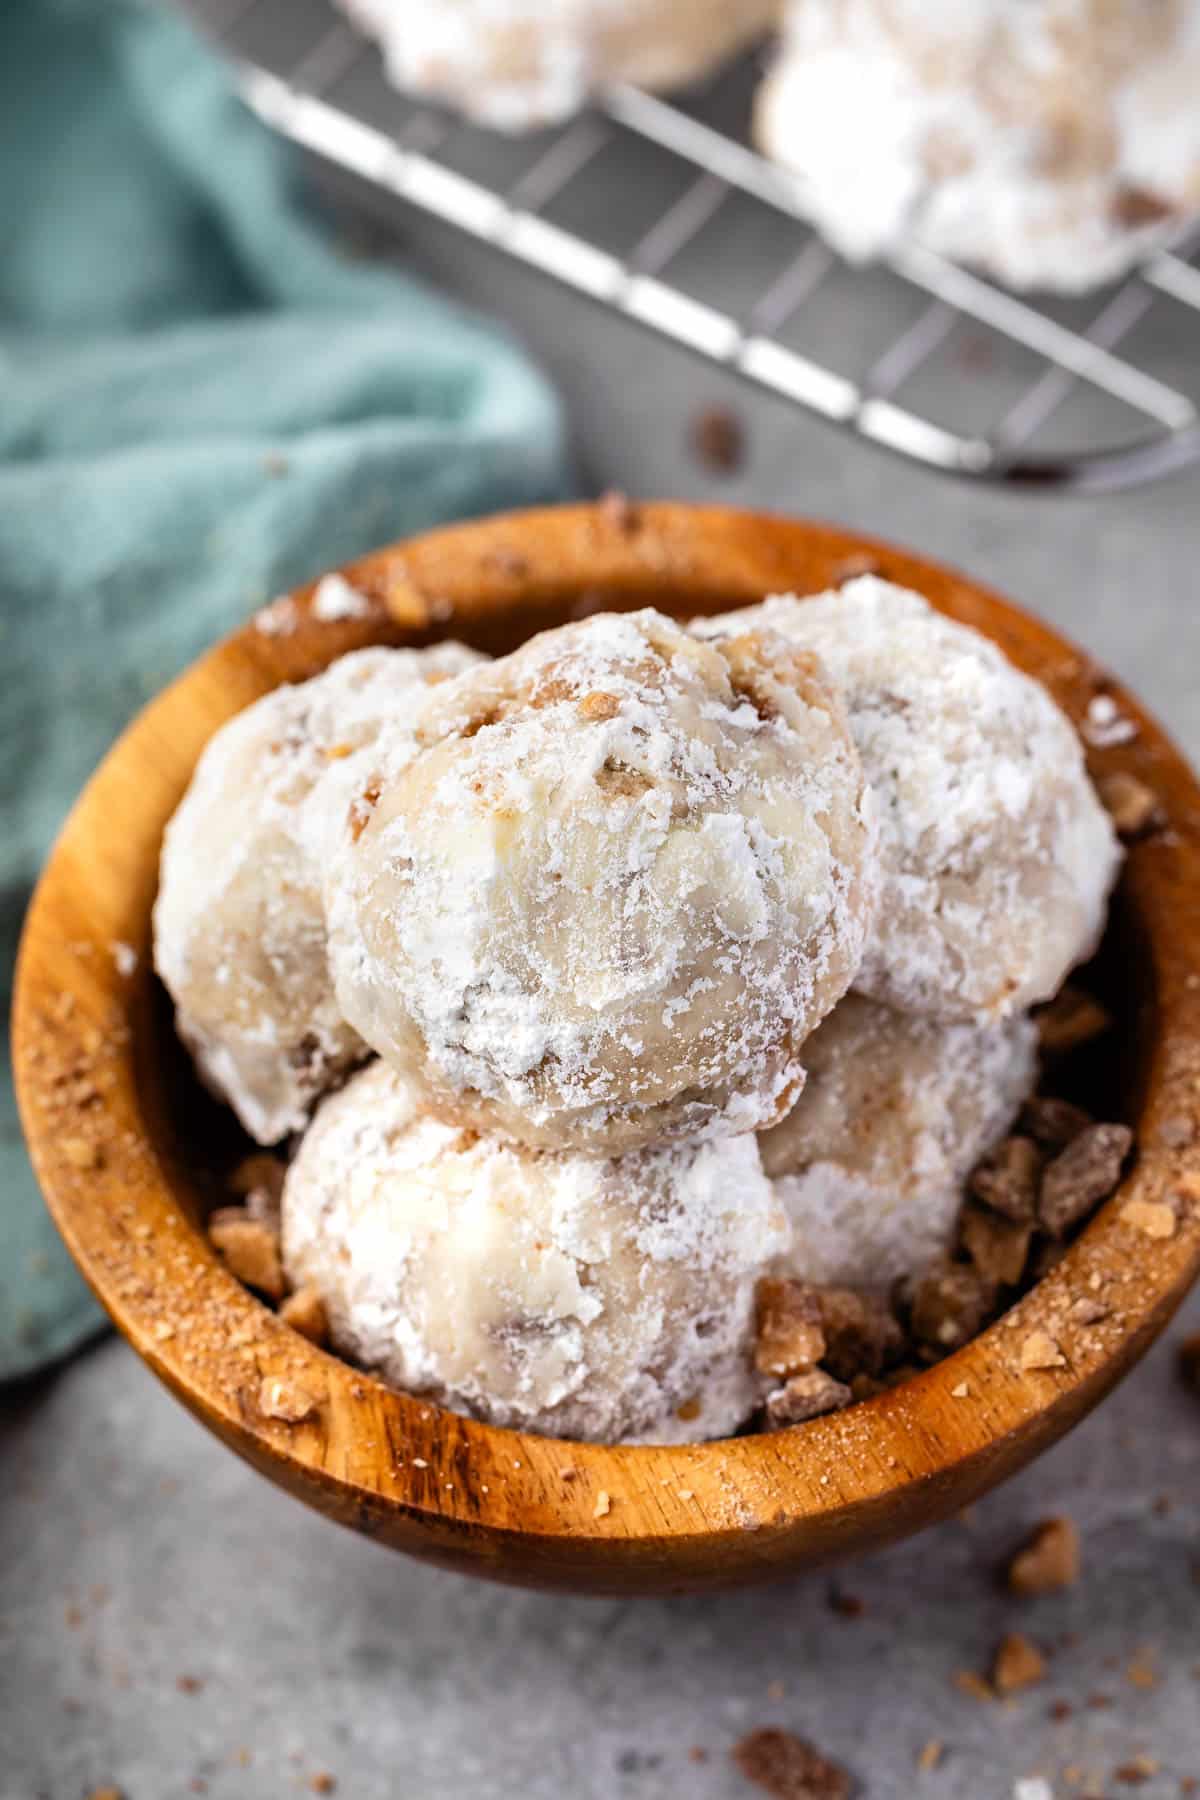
(125, 1146)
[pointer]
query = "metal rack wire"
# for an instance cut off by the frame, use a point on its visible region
(916, 354)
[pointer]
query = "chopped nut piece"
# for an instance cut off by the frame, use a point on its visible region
(806, 1397)
(786, 1767)
(80, 1154)
(599, 706)
(1039, 1351)
(1053, 1123)
(998, 1246)
(1133, 807)
(862, 1334)
(1018, 1664)
(603, 1505)
(973, 1685)
(1082, 1175)
(718, 439)
(250, 1250)
(305, 1312)
(789, 1335)
(279, 1398)
(1007, 1178)
(1152, 1217)
(1189, 1361)
(951, 1303)
(1072, 1018)
(1048, 1560)
(931, 1754)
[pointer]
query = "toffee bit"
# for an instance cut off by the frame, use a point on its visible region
(1153, 1218)
(1082, 1175)
(999, 1247)
(788, 1768)
(1069, 1021)
(1040, 1351)
(1048, 1560)
(789, 1336)
(950, 1304)
(1007, 1178)
(1018, 1664)
(305, 1312)
(806, 1397)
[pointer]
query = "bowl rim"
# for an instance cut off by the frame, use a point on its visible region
(504, 1502)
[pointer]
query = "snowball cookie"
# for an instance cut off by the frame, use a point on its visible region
(579, 1297)
(515, 64)
(622, 880)
(996, 855)
(1049, 143)
(239, 927)
(871, 1162)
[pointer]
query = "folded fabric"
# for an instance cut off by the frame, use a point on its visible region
(201, 404)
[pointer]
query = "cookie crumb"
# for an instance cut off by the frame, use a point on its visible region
(1137, 1770)
(931, 1754)
(1153, 1218)
(788, 1768)
(968, 1682)
(1039, 1351)
(323, 1783)
(1048, 1560)
(1018, 1664)
(250, 1249)
(603, 1505)
(961, 1391)
(305, 1312)
(1141, 1672)
(279, 1398)
(719, 440)
(80, 1153)
(1133, 807)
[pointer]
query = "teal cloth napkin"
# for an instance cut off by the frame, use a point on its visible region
(201, 404)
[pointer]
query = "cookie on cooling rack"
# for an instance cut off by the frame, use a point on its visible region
(517, 64)
(1049, 143)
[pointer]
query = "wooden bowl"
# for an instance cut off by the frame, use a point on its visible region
(126, 1146)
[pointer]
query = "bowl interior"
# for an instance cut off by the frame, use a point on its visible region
(99, 1066)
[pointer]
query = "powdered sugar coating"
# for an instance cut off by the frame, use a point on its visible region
(514, 64)
(1050, 142)
(239, 925)
(568, 1295)
(996, 855)
(623, 879)
(871, 1162)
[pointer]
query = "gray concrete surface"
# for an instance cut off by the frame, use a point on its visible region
(167, 1619)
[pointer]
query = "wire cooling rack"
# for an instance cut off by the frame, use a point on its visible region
(659, 210)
